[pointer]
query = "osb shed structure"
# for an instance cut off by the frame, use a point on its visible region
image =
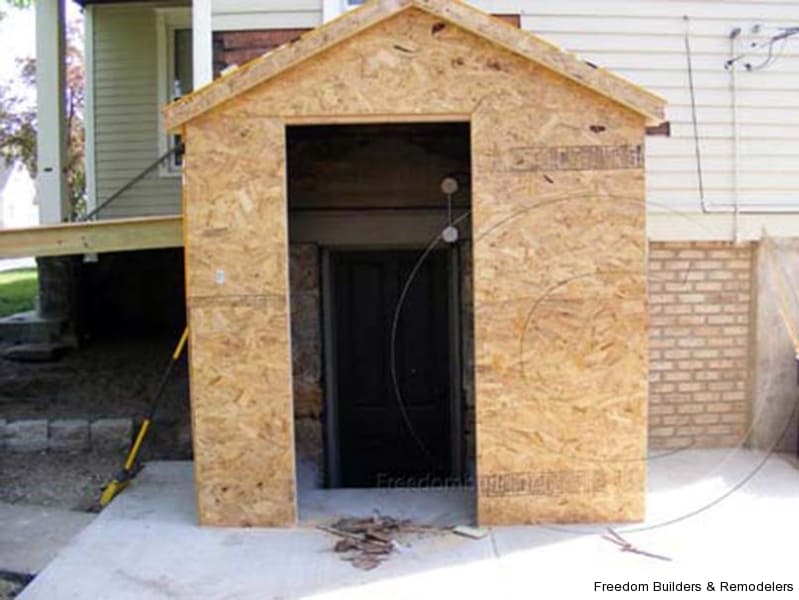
(558, 231)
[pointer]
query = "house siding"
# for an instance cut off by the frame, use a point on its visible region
(644, 40)
(126, 112)
(232, 15)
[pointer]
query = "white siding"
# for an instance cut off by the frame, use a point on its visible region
(126, 112)
(640, 39)
(644, 41)
(233, 15)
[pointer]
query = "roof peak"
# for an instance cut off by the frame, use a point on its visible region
(460, 14)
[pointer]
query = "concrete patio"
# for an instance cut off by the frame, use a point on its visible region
(147, 543)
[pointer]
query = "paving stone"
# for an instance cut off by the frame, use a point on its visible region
(36, 352)
(68, 435)
(111, 434)
(26, 436)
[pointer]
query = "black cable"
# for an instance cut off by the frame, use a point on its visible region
(697, 149)
(130, 184)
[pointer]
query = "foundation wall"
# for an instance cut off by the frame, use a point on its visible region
(774, 386)
(559, 274)
(700, 304)
(306, 354)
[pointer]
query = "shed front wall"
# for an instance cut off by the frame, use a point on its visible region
(559, 274)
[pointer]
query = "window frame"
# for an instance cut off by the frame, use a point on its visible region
(168, 20)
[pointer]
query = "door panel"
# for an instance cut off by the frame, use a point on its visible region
(379, 442)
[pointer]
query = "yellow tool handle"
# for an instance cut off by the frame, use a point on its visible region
(134, 451)
(181, 343)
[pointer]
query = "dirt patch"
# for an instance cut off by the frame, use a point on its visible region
(69, 481)
(11, 584)
(101, 379)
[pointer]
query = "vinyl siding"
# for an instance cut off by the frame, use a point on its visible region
(643, 40)
(239, 15)
(126, 112)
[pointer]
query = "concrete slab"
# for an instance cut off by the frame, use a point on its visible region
(147, 543)
(32, 536)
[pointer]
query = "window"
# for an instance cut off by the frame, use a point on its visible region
(353, 3)
(175, 75)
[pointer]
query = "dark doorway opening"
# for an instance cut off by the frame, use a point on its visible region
(368, 206)
(391, 328)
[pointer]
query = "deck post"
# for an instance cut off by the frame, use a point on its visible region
(203, 42)
(51, 137)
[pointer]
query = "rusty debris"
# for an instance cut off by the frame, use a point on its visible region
(367, 542)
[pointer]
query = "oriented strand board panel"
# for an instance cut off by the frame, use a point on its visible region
(559, 272)
(237, 285)
(317, 41)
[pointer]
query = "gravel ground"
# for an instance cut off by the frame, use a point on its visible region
(104, 378)
(101, 379)
(11, 584)
(69, 481)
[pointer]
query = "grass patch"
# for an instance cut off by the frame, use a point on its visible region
(18, 289)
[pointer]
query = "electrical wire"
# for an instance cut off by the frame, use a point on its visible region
(694, 119)
(783, 36)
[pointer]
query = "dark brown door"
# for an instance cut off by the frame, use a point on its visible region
(386, 438)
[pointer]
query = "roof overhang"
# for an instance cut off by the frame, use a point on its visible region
(460, 14)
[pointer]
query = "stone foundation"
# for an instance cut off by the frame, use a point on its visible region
(306, 350)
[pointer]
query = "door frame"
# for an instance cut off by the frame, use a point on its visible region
(331, 438)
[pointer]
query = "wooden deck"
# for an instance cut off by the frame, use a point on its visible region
(110, 235)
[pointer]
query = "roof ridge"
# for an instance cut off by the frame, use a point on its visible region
(523, 43)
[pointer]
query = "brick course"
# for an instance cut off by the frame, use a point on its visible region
(238, 47)
(699, 306)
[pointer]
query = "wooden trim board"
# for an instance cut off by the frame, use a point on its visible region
(93, 237)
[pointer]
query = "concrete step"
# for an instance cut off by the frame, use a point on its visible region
(29, 327)
(36, 352)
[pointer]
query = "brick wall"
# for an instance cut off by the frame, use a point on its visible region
(699, 296)
(238, 47)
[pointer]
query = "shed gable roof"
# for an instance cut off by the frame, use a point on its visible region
(458, 13)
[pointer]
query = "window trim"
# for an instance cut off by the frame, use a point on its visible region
(167, 21)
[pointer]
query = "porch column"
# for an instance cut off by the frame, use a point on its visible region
(51, 138)
(202, 40)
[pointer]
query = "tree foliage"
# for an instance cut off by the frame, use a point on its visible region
(18, 123)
